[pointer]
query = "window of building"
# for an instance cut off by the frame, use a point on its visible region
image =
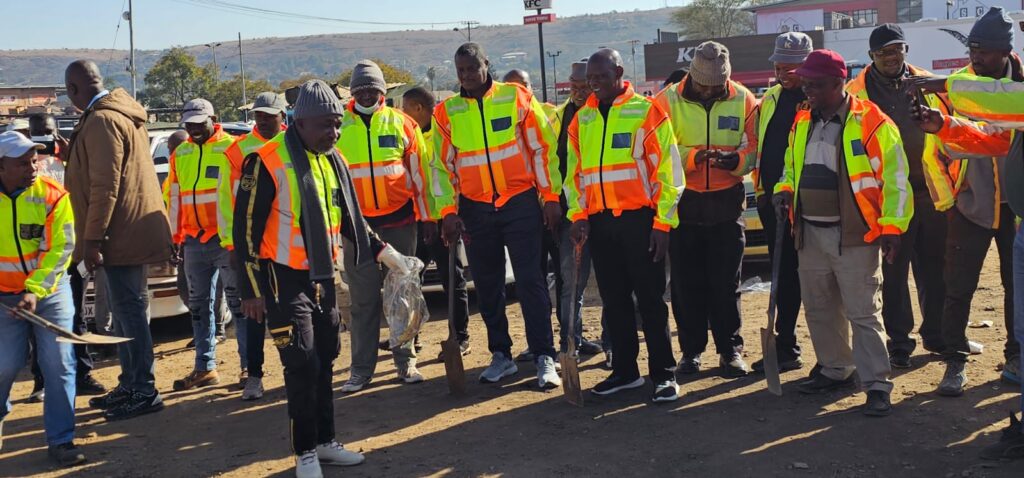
(851, 19)
(908, 10)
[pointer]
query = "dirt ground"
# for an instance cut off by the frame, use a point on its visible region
(718, 427)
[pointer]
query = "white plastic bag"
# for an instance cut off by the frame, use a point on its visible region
(405, 309)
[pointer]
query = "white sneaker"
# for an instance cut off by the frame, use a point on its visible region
(355, 383)
(334, 454)
(253, 388)
(547, 377)
(500, 367)
(410, 375)
(307, 465)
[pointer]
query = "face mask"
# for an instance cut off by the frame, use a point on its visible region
(367, 110)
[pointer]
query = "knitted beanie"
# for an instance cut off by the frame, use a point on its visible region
(993, 31)
(367, 74)
(317, 99)
(710, 66)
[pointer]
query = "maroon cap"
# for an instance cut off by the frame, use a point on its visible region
(823, 63)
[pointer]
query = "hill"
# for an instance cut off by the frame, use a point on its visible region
(277, 58)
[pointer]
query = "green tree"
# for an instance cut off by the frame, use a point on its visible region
(177, 78)
(715, 18)
(226, 96)
(392, 74)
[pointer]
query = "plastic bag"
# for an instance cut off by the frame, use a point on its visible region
(755, 285)
(405, 309)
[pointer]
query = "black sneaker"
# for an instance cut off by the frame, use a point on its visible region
(615, 383)
(688, 365)
(87, 385)
(1010, 445)
(38, 392)
(384, 345)
(667, 391)
(112, 399)
(900, 359)
(137, 404)
(821, 384)
(733, 366)
(66, 454)
(587, 347)
(785, 365)
(877, 404)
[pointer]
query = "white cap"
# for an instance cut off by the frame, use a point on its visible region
(196, 111)
(18, 123)
(14, 144)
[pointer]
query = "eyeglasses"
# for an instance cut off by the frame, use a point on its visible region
(890, 51)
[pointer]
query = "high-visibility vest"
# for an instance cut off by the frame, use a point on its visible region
(730, 125)
(491, 150)
(282, 238)
(942, 175)
(629, 161)
(875, 163)
(388, 161)
(190, 191)
(997, 102)
(766, 110)
(241, 148)
(39, 236)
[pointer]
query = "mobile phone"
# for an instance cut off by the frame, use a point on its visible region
(82, 270)
(48, 141)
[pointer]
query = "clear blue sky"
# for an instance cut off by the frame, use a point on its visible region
(163, 23)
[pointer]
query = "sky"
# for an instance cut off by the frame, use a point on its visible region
(160, 24)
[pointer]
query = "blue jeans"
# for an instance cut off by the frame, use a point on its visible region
(56, 359)
(204, 262)
(1018, 295)
(128, 298)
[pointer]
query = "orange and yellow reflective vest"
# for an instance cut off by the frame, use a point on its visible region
(243, 146)
(38, 228)
(190, 191)
(626, 161)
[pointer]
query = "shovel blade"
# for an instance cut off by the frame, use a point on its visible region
(92, 339)
(454, 370)
(771, 362)
(571, 379)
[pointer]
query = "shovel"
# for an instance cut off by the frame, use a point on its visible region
(454, 370)
(570, 367)
(771, 357)
(63, 335)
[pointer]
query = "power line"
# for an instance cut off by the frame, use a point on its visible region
(277, 14)
(110, 59)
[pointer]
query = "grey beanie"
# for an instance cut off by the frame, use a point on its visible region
(710, 66)
(792, 47)
(993, 31)
(317, 99)
(365, 75)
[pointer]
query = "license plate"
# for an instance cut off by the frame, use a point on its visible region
(88, 311)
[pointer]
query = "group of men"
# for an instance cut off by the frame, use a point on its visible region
(865, 178)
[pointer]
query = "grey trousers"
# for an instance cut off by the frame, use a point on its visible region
(364, 284)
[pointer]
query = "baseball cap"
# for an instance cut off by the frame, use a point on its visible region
(270, 103)
(823, 63)
(196, 111)
(884, 35)
(791, 47)
(579, 70)
(14, 144)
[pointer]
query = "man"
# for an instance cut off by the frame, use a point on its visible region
(924, 243)
(388, 159)
(494, 158)
(42, 128)
(715, 123)
(122, 224)
(627, 190)
(198, 192)
(287, 253)
(269, 113)
(35, 216)
(779, 106)
(419, 104)
(845, 191)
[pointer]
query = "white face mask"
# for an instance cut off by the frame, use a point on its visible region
(367, 110)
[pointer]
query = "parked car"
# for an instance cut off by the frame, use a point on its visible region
(757, 242)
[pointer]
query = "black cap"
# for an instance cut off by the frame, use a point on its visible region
(886, 34)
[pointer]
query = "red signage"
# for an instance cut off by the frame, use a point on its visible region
(535, 19)
(950, 64)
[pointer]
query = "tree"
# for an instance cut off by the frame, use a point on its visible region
(226, 96)
(176, 78)
(715, 18)
(392, 74)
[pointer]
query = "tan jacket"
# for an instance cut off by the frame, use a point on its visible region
(114, 189)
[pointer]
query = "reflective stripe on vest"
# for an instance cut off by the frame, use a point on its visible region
(191, 189)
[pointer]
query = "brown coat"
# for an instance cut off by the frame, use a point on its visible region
(115, 193)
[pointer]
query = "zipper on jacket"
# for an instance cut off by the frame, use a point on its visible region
(373, 180)
(707, 139)
(195, 206)
(487, 151)
(17, 238)
(600, 163)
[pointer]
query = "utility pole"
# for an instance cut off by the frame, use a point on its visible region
(131, 44)
(469, 24)
(632, 46)
(213, 46)
(554, 71)
(241, 71)
(543, 76)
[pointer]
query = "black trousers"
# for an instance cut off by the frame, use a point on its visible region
(788, 288)
(438, 252)
(966, 247)
(623, 266)
(550, 262)
(255, 335)
(305, 327)
(706, 261)
(922, 247)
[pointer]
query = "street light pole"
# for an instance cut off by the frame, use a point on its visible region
(213, 46)
(241, 71)
(632, 44)
(554, 71)
(543, 75)
(131, 44)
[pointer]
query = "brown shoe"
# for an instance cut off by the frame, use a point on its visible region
(196, 379)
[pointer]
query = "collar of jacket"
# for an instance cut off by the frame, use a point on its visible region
(730, 89)
(628, 93)
(488, 88)
(218, 134)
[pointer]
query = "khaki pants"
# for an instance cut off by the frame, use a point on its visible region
(838, 287)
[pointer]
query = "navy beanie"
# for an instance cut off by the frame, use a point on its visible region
(993, 31)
